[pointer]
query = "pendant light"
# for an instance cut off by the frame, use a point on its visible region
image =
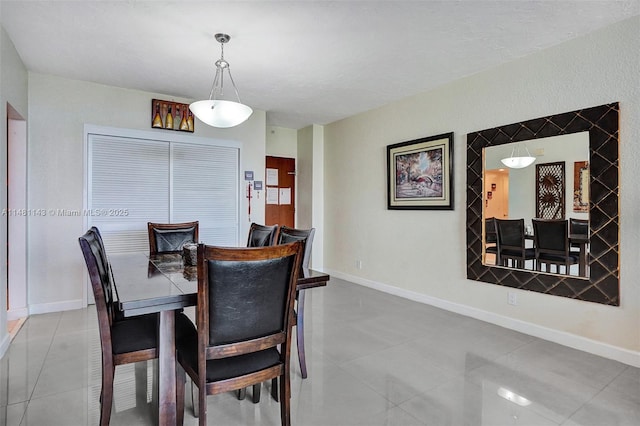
(517, 161)
(217, 112)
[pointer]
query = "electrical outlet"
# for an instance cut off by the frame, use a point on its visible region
(512, 298)
(358, 264)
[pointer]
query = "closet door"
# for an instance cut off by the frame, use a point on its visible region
(128, 187)
(135, 181)
(205, 188)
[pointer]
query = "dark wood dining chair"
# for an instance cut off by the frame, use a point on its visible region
(170, 237)
(122, 341)
(286, 235)
(551, 238)
(491, 236)
(244, 320)
(305, 236)
(511, 243)
(578, 226)
(262, 235)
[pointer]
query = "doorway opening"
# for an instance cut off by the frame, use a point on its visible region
(496, 200)
(16, 186)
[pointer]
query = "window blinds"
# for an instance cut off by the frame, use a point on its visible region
(134, 181)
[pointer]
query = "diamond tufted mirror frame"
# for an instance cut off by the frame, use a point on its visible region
(603, 284)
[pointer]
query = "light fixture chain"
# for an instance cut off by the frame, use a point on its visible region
(233, 83)
(212, 94)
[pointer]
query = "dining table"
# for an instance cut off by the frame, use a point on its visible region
(163, 284)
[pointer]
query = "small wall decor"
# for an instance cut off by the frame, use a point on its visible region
(581, 187)
(420, 174)
(171, 115)
(550, 190)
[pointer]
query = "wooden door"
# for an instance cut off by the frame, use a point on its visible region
(280, 182)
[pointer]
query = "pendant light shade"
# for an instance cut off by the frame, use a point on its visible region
(217, 112)
(517, 161)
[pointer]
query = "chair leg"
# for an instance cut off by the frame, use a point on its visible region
(202, 406)
(274, 389)
(242, 393)
(256, 392)
(180, 383)
(285, 400)
(195, 400)
(106, 395)
(300, 334)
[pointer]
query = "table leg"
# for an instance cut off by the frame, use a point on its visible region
(167, 368)
(300, 334)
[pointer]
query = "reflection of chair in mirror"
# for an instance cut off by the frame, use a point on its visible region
(579, 227)
(262, 236)
(511, 243)
(552, 244)
(170, 237)
(244, 323)
(491, 237)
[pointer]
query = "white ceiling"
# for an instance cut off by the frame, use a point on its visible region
(303, 62)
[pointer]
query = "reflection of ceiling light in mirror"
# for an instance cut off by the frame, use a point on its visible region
(513, 397)
(516, 161)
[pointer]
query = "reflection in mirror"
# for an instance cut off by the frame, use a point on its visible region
(601, 123)
(510, 193)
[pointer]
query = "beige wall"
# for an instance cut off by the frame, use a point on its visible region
(58, 110)
(421, 254)
(282, 142)
(13, 91)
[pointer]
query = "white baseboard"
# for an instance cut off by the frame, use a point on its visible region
(14, 314)
(45, 308)
(605, 350)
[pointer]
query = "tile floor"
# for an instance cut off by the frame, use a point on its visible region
(373, 359)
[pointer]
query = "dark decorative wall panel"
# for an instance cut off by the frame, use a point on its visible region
(603, 284)
(550, 188)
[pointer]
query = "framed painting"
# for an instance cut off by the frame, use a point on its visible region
(420, 174)
(581, 187)
(170, 115)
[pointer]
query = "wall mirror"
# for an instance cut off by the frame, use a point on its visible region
(601, 125)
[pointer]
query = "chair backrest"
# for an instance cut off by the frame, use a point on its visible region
(510, 233)
(491, 235)
(289, 235)
(551, 236)
(578, 226)
(246, 294)
(170, 237)
(101, 281)
(262, 235)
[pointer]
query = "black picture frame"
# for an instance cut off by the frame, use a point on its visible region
(420, 174)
